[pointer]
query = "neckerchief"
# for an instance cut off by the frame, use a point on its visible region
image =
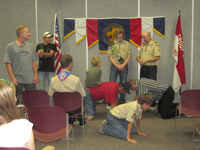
(63, 75)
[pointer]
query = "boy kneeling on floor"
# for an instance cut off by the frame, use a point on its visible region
(120, 119)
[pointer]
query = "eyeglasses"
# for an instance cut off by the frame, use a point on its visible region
(9, 83)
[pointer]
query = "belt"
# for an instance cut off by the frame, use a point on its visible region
(148, 66)
(87, 89)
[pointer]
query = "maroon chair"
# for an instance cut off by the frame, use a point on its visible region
(70, 101)
(13, 148)
(50, 123)
(34, 97)
(189, 104)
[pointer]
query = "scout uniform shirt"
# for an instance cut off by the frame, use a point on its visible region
(150, 50)
(71, 83)
(129, 111)
(123, 49)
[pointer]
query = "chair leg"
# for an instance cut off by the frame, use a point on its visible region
(73, 137)
(68, 142)
(179, 121)
(26, 116)
(83, 120)
(193, 139)
(175, 117)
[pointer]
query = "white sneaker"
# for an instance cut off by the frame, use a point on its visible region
(20, 105)
(103, 126)
(108, 107)
(188, 116)
(100, 101)
(152, 108)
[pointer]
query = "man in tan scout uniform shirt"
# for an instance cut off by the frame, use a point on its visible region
(148, 57)
(119, 54)
(67, 82)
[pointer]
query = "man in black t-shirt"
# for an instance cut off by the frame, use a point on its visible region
(45, 52)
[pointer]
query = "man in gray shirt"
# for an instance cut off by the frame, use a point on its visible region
(21, 61)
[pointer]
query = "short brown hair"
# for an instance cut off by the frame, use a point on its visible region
(8, 108)
(145, 98)
(65, 60)
(20, 29)
(94, 60)
(119, 30)
(132, 81)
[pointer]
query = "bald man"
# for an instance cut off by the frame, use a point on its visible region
(148, 57)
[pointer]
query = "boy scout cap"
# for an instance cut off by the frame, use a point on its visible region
(126, 85)
(47, 34)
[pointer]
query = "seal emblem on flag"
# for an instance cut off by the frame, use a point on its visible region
(109, 32)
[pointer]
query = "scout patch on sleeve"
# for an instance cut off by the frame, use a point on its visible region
(134, 115)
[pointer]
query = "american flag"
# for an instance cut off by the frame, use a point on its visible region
(58, 45)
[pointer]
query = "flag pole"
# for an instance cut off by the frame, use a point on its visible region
(179, 100)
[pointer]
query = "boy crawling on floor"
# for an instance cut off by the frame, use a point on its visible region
(119, 120)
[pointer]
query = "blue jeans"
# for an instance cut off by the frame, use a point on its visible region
(118, 127)
(42, 76)
(114, 72)
(149, 72)
(89, 103)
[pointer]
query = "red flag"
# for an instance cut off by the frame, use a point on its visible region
(135, 31)
(179, 68)
(58, 46)
(92, 32)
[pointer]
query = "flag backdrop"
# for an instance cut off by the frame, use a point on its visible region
(77, 26)
(179, 68)
(106, 31)
(102, 30)
(58, 46)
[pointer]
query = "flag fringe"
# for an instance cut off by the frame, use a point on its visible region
(158, 32)
(69, 34)
(102, 51)
(93, 44)
(81, 39)
(134, 43)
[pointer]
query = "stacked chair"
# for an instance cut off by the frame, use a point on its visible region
(70, 101)
(50, 124)
(189, 105)
(34, 97)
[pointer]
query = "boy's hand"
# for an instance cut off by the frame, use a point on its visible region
(113, 105)
(141, 133)
(132, 141)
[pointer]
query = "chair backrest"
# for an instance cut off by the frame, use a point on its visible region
(35, 97)
(47, 119)
(13, 148)
(191, 99)
(68, 100)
